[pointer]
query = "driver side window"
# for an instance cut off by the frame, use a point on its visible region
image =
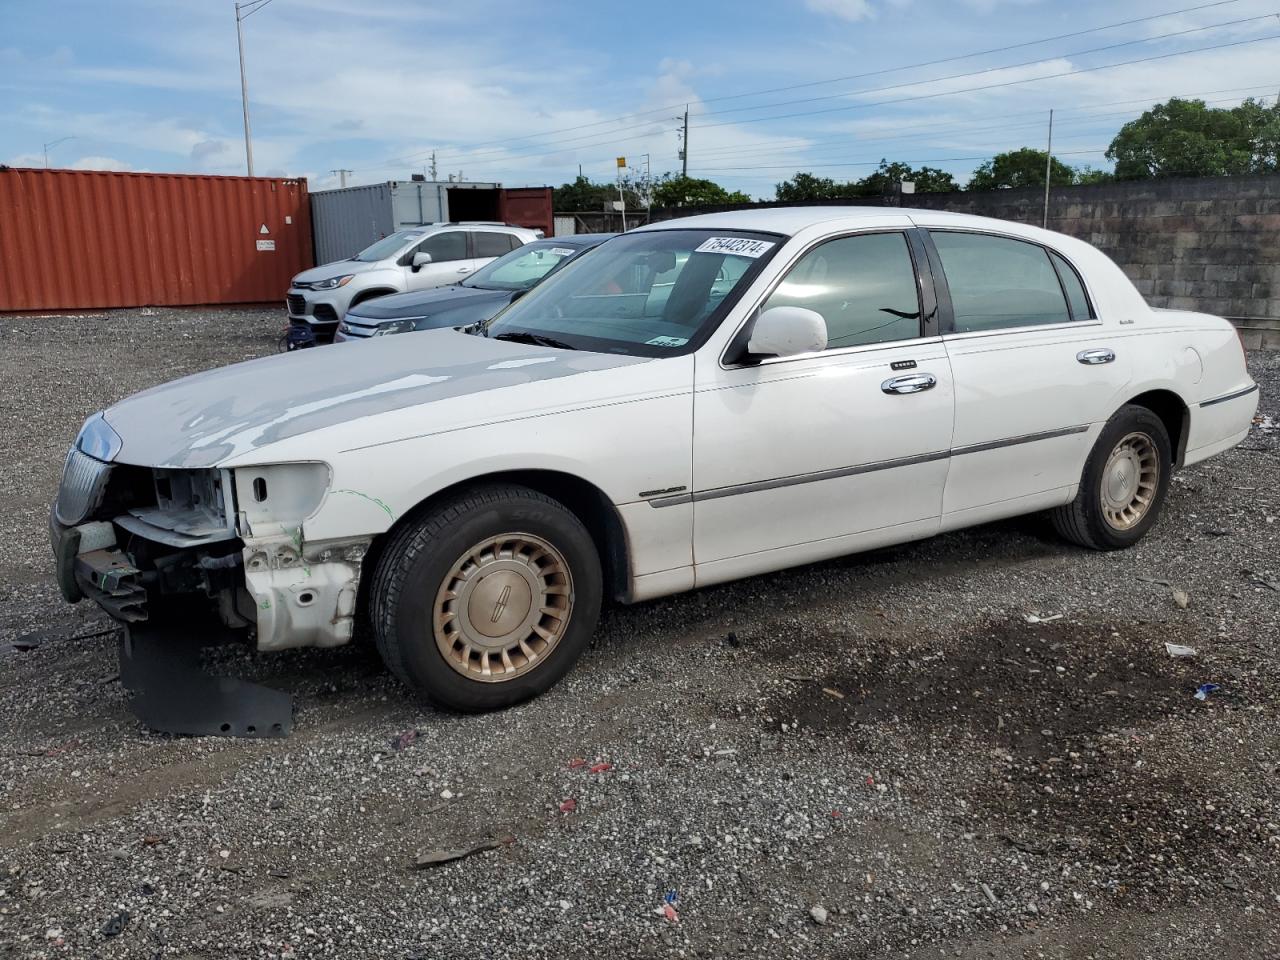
(864, 286)
(444, 247)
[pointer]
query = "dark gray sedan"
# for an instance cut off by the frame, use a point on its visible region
(477, 298)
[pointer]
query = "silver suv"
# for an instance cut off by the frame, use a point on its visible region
(413, 259)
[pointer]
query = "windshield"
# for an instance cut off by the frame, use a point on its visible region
(522, 268)
(651, 294)
(387, 246)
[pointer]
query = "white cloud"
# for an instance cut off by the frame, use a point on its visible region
(207, 149)
(25, 160)
(851, 10)
(990, 6)
(100, 163)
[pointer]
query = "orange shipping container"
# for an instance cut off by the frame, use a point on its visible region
(87, 240)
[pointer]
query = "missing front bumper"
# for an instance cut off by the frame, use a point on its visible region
(160, 665)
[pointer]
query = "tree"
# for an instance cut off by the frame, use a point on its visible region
(679, 191)
(582, 194)
(888, 175)
(1087, 175)
(1186, 138)
(805, 186)
(1019, 168)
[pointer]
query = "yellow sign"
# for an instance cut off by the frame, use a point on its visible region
(622, 162)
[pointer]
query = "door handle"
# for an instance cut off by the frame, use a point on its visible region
(464, 269)
(912, 383)
(1097, 355)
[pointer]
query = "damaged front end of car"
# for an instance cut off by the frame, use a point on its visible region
(189, 558)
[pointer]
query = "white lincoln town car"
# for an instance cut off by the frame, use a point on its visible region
(699, 400)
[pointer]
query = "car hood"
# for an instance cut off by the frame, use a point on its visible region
(425, 303)
(338, 268)
(235, 412)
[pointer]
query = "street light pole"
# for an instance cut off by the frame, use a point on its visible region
(53, 143)
(244, 93)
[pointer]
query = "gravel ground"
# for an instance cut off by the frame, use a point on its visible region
(870, 757)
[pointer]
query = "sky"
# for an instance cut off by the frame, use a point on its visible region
(526, 93)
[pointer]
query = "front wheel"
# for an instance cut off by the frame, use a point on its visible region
(488, 599)
(1123, 485)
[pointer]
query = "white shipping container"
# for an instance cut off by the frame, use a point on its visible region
(346, 220)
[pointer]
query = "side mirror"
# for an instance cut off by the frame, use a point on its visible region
(788, 332)
(421, 259)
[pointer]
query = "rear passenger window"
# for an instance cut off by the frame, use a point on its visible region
(490, 244)
(997, 283)
(1076, 298)
(864, 287)
(444, 247)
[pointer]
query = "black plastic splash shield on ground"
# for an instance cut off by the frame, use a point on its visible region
(171, 693)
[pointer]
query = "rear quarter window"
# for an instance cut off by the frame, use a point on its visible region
(1077, 299)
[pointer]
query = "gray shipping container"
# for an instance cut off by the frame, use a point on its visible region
(347, 220)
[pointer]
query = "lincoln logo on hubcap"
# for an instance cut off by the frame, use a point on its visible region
(500, 607)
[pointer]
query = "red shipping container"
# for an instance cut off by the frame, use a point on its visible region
(528, 207)
(87, 240)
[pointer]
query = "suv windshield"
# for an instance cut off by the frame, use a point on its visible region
(651, 294)
(387, 246)
(521, 269)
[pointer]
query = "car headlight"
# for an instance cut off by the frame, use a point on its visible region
(98, 439)
(396, 326)
(333, 282)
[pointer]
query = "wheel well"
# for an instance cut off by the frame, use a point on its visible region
(364, 295)
(1169, 407)
(585, 500)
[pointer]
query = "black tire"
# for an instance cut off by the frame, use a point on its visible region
(412, 570)
(1084, 520)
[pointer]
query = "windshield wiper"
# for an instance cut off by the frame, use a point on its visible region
(524, 336)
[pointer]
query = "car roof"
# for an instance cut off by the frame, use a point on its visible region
(778, 219)
(791, 220)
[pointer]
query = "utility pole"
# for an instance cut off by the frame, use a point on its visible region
(433, 166)
(244, 93)
(342, 176)
(648, 189)
(684, 150)
(1048, 171)
(622, 199)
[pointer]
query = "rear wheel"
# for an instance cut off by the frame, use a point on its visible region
(488, 599)
(1123, 485)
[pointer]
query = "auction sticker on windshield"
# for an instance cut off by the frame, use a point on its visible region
(735, 246)
(562, 251)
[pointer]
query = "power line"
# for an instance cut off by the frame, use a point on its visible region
(991, 86)
(948, 131)
(774, 176)
(804, 142)
(502, 154)
(503, 157)
(979, 53)
(253, 7)
(1008, 66)
(841, 79)
(609, 139)
(876, 163)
